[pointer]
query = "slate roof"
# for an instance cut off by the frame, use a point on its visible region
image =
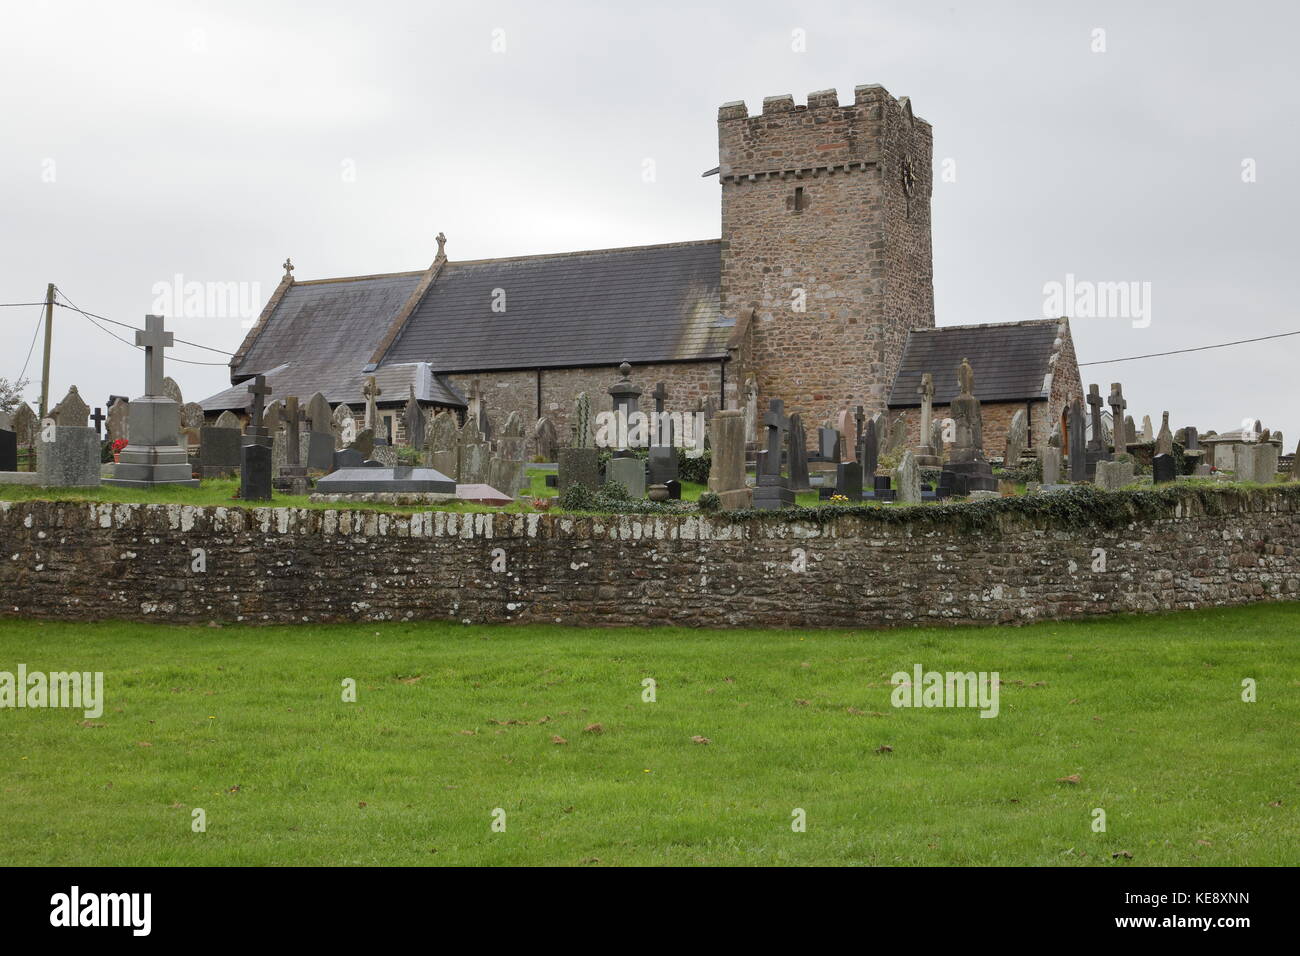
(320, 337)
(640, 304)
(1010, 360)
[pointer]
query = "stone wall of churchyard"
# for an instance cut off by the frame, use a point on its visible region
(1011, 560)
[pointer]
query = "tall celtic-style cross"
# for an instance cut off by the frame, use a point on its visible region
(777, 422)
(1095, 443)
(1117, 404)
(154, 340)
(259, 390)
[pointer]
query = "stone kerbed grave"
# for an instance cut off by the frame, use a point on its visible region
(1184, 549)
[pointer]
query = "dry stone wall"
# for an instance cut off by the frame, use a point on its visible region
(64, 560)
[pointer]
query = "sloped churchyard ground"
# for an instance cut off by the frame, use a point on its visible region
(1118, 742)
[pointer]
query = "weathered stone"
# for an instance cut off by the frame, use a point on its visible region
(545, 439)
(1113, 475)
(219, 451)
(343, 426)
(1164, 440)
(69, 458)
(628, 472)
(1017, 438)
(907, 480)
(71, 411)
(578, 467)
(727, 467)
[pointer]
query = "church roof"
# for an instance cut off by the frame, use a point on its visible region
(640, 304)
(1011, 361)
(319, 337)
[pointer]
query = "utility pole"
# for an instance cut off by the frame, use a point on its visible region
(49, 334)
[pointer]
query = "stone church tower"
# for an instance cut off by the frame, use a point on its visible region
(826, 250)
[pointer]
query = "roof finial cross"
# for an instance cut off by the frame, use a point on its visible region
(288, 268)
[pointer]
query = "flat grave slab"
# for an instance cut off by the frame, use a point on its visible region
(397, 480)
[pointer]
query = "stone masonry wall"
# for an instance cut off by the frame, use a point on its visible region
(813, 199)
(85, 561)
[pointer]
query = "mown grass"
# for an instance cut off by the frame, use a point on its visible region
(453, 722)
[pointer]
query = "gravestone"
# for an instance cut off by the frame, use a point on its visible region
(25, 425)
(257, 433)
(506, 471)
(371, 392)
(869, 454)
(8, 449)
(1131, 433)
(897, 435)
(1078, 450)
(848, 436)
(936, 440)
(929, 455)
(1266, 463)
(727, 468)
(1119, 426)
(624, 395)
(1096, 444)
(476, 412)
(98, 418)
(908, 480)
(67, 456)
(1148, 434)
(628, 472)
(579, 465)
(662, 463)
(347, 458)
(291, 476)
(364, 442)
(155, 455)
(71, 411)
(1017, 438)
(255, 472)
(118, 421)
(772, 491)
(319, 415)
(546, 441)
(413, 420)
(828, 444)
(967, 457)
(848, 480)
(343, 426)
(1050, 455)
(1114, 475)
(171, 390)
(798, 458)
(474, 454)
(440, 445)
(1162, 469)
(219, 446)
(1165, 439)
(674, 490)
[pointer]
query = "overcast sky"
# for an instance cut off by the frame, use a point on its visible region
(146, 141)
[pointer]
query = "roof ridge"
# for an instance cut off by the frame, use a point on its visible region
(991, 325)
(377, 275)
(588, 252)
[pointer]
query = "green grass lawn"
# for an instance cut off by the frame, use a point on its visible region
(452, 722)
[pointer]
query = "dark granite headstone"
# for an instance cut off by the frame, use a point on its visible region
(320, 451)
(798, 455)
(663, 464)
(8, 450)
(1162, 469)
(828, 444)
(1078, 446)
(674, 489)
(869, 450)
(219, 451)
(947, 484)
(552, 480)
(848, 480)
(255, 473)
(347, 458)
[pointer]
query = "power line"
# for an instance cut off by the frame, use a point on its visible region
(132, 327)
(1202, 348)
(91, 317)
(32, 347)
(10, 305)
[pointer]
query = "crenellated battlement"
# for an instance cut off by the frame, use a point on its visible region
(787, 139)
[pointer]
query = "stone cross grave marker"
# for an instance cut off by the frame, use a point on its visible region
(1095, 442)
(1119, 426)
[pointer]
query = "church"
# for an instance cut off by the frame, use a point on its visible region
(819, 292)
